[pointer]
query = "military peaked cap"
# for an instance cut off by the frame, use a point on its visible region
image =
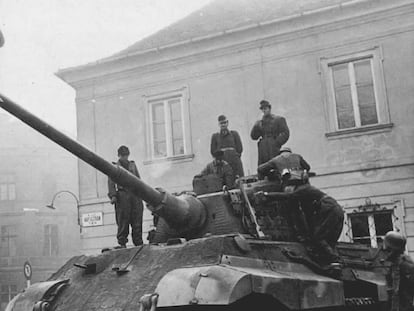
(264, 103)
(123, 150)
(222, 118)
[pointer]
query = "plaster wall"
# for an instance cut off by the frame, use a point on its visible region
(286, 70)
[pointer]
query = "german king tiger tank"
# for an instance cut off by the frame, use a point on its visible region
(215, 251)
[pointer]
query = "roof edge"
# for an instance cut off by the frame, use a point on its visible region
(211, 36)
(64, 72)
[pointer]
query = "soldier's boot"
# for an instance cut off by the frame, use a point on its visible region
(120, 246)
(324, 254)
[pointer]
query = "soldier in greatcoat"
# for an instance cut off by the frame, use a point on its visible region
(128, 207)
(271, 131)
(230, 143)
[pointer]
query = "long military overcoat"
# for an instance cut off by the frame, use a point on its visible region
(272, 132)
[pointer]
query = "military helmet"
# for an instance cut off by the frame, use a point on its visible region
(395, 241)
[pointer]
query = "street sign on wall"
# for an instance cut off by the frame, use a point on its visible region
(27, 270)
(92, 219)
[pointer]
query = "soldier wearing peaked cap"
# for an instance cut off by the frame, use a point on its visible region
(271, 131)
(128, 207)
(230, 143)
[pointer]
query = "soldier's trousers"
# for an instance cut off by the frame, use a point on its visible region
(327, 226)
(128, 212)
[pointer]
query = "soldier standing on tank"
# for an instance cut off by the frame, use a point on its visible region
(128, 207)
(221, 169)
(229, 142)
(324, 218)
(400, 277)
(272, 132)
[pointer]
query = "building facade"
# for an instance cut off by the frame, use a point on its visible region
(340, 72)
(32, 171)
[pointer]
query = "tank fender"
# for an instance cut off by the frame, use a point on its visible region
(223, 285)
(376, 279)
(38, 296)
(207, 285)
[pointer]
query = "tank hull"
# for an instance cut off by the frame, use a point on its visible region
(215, 272)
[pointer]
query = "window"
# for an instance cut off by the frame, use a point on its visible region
(168, 126)
(355, 88)
(7, 188)
(51, 240)
(370, 228)
(7, 294)
(368, 223)
(354, 93)
(8, 241)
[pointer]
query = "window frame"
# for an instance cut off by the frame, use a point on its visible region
(396, 208)
(48, 249)
(374, 54)
(164, 97)
(7, 182)
(167, 125)
(12, 235)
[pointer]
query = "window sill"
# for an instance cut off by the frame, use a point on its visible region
(372, 129)
(178, 159)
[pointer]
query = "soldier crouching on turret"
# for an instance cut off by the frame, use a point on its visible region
(128, 207)
(400, 278)
(220, 169)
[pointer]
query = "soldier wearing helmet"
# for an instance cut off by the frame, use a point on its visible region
(128, 207)
(290, 167)
(400, 278)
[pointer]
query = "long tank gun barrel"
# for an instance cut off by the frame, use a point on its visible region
(182, 213)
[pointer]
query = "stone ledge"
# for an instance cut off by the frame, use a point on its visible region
(177, 159)
(371, 129)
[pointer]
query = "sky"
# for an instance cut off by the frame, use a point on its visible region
(44, 36)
